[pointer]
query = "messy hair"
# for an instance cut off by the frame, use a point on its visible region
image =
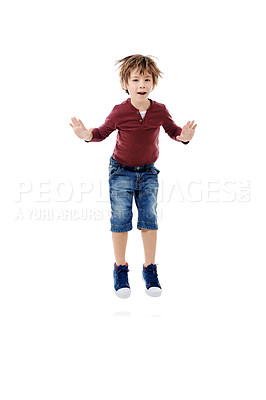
(142, 63)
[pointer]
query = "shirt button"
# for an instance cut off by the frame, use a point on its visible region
(140, 120)
(137, 112)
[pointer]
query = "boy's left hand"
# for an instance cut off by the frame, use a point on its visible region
(187, 132)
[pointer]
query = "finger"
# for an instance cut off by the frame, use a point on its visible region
(190, 125)
(81, 123)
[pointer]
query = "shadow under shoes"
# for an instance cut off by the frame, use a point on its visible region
(121, 285)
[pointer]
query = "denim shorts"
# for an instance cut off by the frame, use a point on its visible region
(126, 182)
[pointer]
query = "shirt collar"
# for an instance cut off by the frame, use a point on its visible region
(134, 108)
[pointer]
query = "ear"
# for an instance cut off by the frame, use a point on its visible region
(124, 86)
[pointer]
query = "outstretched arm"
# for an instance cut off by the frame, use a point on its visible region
(175, 132)
(95, 134)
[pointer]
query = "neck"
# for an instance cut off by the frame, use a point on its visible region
(141, 106)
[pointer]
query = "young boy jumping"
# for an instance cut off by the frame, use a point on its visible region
(132, 172)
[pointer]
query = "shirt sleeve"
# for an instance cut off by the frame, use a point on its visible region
(106, 128)
(170, 127)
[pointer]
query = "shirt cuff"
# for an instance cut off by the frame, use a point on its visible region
(183, 141)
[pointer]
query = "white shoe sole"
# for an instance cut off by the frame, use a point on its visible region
(123, 293)
(154, 291)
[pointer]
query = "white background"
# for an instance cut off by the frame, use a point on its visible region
(64, 333)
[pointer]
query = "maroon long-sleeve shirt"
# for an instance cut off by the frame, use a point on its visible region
(137, 141)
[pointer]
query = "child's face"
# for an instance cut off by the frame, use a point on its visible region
(139, 83)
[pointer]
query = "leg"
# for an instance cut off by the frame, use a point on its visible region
(120, 244)
(146, 201)
(153, 287)
(149, 238)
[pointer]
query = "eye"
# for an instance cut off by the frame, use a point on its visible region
(135, 80)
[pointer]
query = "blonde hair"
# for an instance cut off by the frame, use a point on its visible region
(142, 63)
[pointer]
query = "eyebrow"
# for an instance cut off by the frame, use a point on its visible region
(147, 76)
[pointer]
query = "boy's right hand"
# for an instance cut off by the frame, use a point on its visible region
(80, 129)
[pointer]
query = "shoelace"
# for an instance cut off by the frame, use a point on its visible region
(151, 273)
(122, 273)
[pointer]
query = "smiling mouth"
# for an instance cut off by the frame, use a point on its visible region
(142, 93)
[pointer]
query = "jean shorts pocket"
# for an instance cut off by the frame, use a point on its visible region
(155, 170)
(113, 169)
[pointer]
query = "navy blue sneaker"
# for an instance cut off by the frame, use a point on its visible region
(150, 276)
(121, 285)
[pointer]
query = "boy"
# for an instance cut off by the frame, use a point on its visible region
(131, 166)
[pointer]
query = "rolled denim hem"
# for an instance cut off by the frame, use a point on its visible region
(123, 228)
(147, 225)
